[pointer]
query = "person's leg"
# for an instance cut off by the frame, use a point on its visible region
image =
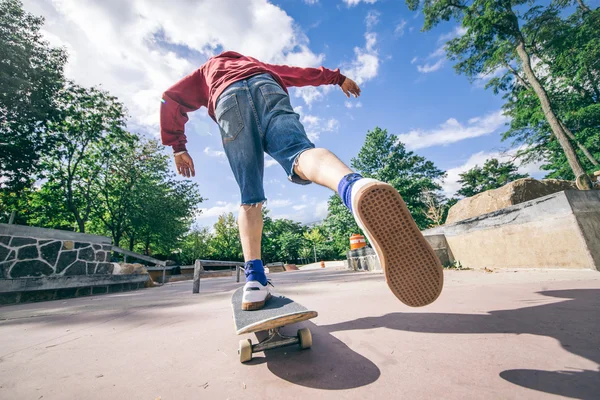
(322, 167)
(250, 222)
(412, 270)
(243, 145)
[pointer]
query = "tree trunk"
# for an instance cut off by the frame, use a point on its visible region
(551, 117)
(581, 147)
(583, 7)
(131, 242)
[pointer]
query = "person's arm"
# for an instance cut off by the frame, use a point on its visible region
(296, 76)
(189, 94)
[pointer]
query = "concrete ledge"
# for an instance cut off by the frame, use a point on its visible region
(560, 230)
(65, 282)
(363, 259)
(43, 233)
(440, 246)
(27, 290)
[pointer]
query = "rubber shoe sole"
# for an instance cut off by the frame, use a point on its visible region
(412, 270)
(257, 305)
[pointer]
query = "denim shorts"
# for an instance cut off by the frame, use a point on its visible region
(255, 117)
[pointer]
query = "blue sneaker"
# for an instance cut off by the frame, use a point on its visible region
(256, 289)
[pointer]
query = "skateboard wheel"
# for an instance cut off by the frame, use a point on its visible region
(305, 338)
(245, 350)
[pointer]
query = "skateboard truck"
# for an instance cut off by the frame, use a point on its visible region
(274, 340)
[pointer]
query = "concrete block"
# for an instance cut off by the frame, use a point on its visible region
(556, 231)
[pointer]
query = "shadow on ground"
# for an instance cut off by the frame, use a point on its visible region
(329, 365)
(573, 322)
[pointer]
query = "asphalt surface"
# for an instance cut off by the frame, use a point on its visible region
(499, 335)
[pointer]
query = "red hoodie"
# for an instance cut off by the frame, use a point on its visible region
(203, 87)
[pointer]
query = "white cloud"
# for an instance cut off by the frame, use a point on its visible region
(450, 185)
(414, 60)
(365, 65)
(440, 52)
(279, 203)
(350, 104)
(134, 48)
(372, 19)
(453, 131)
(352, 3)
(399, 30)
(220, 208)
(269, 162)
(214, 153)
(427, 68)
(315, 126)
(310, 94)
(458, 31)
(311, 2)
(309, 210)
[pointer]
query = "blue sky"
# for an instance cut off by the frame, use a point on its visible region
(136, 49)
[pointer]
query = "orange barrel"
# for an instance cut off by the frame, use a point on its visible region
(357, 242)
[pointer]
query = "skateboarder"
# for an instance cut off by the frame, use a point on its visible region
(249, 101)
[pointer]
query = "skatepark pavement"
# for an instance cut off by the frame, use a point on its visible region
(527, 334)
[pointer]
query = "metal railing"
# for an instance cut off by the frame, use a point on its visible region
(200, 264)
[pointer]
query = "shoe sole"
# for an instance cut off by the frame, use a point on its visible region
(257, 305)
(412, 270)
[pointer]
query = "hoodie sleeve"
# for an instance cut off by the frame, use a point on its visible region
(297, 76)
(189, 94)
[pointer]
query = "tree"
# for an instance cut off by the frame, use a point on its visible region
(90, 124)
(501, 34)
(315, 238)
(282, 239)
(196, 246)
(385, 158)
(31, 73)
(493, 175)
(569, 71)
(226, 243)
(339, 225)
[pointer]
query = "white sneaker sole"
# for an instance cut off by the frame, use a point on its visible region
(412, 270)
(257, 305)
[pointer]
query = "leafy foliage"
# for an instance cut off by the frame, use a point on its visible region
(492, 175)
(385, 158)
(31, 74)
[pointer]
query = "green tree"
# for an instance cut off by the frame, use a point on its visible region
(570, 74)
(502, 34)
(316, 239)
(91, 123)
(226, 243)
(385, 158)
(492, 175)
(196, 246)
(339, 225)
(31, 73)
(282, 239)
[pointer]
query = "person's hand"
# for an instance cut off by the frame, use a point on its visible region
(349, 87)
(185, 165)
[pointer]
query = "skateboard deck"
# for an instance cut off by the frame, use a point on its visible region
(278, 312)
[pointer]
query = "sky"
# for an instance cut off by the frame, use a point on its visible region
(136, 49)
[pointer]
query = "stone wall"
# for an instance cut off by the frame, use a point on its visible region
(27, 252)
(39, 264)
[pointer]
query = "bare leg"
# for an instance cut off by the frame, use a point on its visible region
(250, 222)
(322, 167)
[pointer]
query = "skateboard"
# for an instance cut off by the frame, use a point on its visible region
(278, 312)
